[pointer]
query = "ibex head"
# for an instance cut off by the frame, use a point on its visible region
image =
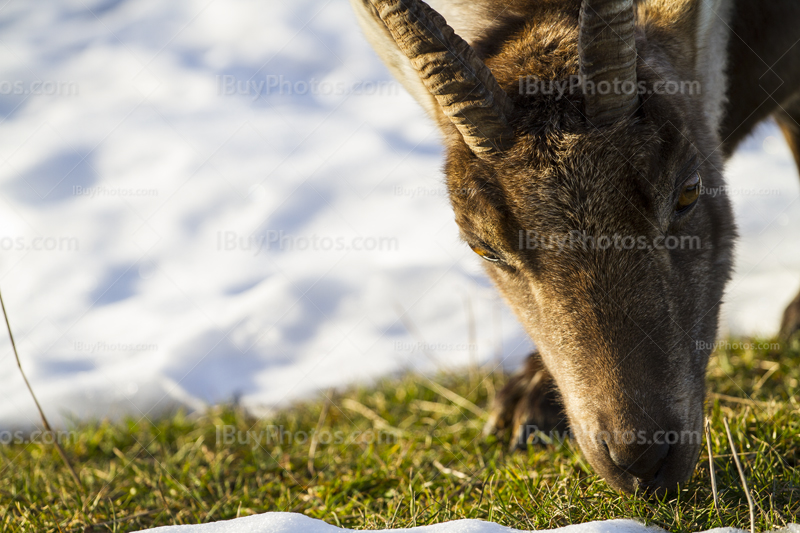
(586, 205)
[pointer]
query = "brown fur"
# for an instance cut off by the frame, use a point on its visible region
(625, 335)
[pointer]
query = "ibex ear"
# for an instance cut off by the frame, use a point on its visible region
(440, 69)
(701, 29)
(399, 65)
(711, 37)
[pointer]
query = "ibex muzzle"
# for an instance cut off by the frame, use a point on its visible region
(580, 136)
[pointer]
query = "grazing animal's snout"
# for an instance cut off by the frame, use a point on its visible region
(646, 463)
(651, 453)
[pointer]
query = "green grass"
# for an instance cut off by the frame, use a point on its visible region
(410, 454)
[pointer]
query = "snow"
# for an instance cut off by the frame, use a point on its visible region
(292, 522)
(205, 201)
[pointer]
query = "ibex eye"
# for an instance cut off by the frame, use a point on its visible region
(485, 253)
(690, 192)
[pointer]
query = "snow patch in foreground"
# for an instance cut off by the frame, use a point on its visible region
(297, 523)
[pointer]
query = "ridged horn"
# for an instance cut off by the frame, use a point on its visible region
(462, 84)
(607, 49)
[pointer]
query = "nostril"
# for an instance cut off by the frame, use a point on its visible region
(643, 462)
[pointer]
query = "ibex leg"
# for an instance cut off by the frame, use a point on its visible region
(527, 403)
(788, 118)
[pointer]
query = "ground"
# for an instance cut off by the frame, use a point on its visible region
(407, 451)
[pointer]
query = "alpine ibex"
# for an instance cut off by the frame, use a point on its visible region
(580, 136)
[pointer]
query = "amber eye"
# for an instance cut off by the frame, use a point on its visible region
(690, 193)
(485, 253)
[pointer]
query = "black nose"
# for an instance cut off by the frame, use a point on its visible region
(642, 461)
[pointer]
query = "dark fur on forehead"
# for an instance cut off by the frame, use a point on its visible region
(559, 159)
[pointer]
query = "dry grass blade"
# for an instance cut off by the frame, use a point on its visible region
(743, 401)
(134, 516)
(312, 449)
(449, 471)
(36, 401)
(369, 414)
(453, 397)
(750, 503)
(772, 369)
(711, 468)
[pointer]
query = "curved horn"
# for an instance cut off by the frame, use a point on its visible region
(607, 49)
(465, 88)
